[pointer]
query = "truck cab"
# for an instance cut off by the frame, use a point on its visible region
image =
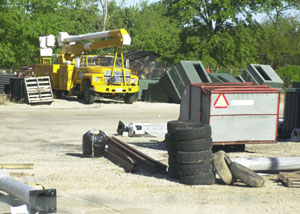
(96, 76)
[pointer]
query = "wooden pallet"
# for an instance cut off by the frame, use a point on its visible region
(39, 89)
(290, 179)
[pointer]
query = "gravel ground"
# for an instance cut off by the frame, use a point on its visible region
(50, 136)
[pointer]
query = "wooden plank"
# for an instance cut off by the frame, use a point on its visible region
(16, 166)
(128, 167)
(293, 182)
(162, 168)
(21, 174)
(283, 176)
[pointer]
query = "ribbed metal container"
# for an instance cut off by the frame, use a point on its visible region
(4, 82)
(17, 89)
(144, 84)
(182, 74)
(291, 113)
(262, 75)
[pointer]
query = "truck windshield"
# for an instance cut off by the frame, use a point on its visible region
(102, 61)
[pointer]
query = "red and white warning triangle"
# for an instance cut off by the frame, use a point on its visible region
(221, 102)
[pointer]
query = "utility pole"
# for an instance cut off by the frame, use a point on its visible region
(104, 5)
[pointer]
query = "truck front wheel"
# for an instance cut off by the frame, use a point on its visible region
(88, 94)
(129, 98)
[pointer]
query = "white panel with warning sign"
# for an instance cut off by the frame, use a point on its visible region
(254, 103)
(240, 113)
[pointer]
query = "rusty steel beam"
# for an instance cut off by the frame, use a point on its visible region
(141, 161)
(128, 167)
(116, 150)
(162, 168)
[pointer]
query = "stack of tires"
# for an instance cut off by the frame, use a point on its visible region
(189, 147)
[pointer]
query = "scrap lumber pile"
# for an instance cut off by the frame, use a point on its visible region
(130, 158)
(290, 179)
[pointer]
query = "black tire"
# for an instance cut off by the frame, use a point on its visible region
(129, 98)
(193, 133)
(171, 144)
(80, 96)
(193, 169)
(174, 124)
(246, 175)
(88, 94)
(172, 169)
(200, 179)
(221, 161)
(195, 145)
(194, 157)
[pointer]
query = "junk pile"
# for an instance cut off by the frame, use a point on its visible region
(95, 142)
(170, 86)
(27, 89)
(189, 147)
(141, 129)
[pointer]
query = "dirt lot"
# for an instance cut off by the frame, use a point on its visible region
(50, 136)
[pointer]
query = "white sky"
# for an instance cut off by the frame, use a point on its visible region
(129, 3)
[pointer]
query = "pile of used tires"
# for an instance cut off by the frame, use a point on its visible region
(231, 172)
(189, 146)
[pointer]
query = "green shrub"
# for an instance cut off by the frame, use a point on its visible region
(289, 74)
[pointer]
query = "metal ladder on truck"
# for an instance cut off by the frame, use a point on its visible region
(38, 89)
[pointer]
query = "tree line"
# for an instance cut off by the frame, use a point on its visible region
(224, 35)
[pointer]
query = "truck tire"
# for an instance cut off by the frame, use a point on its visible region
(194, 157)
(195, 145)
(88, 95)
(199, 179)
(246, 175)
(129, 98)
(221, 161)
(172, 169)
(193, 169)
(193, 133)
(174, 124)
(171, 144)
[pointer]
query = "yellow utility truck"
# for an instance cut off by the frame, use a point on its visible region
(87, 76)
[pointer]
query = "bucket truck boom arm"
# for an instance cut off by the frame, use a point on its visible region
(112, 38)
